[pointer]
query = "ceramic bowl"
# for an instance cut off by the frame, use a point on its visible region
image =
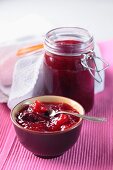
(47, 144)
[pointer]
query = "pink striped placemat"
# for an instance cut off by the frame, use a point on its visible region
(94, 148)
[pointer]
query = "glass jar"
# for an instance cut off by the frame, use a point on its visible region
(69, 65)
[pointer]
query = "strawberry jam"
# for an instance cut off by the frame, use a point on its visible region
(36, 117)
(68, 57)
(65, 76)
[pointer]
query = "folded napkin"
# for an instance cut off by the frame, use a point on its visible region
(26, 79)
(8, 59)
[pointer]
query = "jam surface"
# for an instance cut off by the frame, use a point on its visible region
(65, 75)
(36, 117)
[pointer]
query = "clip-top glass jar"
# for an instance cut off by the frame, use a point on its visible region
(69, 65)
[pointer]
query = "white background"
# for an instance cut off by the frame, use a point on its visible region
(94, 15)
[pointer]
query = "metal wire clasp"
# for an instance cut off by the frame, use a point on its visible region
(91, 55)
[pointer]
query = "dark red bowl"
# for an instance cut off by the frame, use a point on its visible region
(47, 144)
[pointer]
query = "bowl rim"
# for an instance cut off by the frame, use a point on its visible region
(46, 133)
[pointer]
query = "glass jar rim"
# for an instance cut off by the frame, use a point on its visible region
(85, 40)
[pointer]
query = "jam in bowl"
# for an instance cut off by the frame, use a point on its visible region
(46, 136)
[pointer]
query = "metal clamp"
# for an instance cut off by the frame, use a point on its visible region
(84, 63)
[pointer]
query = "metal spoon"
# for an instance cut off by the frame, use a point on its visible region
(52, 113)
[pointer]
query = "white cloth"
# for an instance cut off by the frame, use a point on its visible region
(25, 77)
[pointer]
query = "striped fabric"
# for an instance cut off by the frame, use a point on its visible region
(93, 150)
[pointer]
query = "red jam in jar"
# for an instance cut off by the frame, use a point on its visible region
(67, 50)
(36, 117)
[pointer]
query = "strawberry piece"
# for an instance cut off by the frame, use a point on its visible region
(38, 107)
(62, 119)
(43, 109)
(57, 122)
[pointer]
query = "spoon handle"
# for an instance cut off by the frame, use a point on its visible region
(96, 119)
(93, 118)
